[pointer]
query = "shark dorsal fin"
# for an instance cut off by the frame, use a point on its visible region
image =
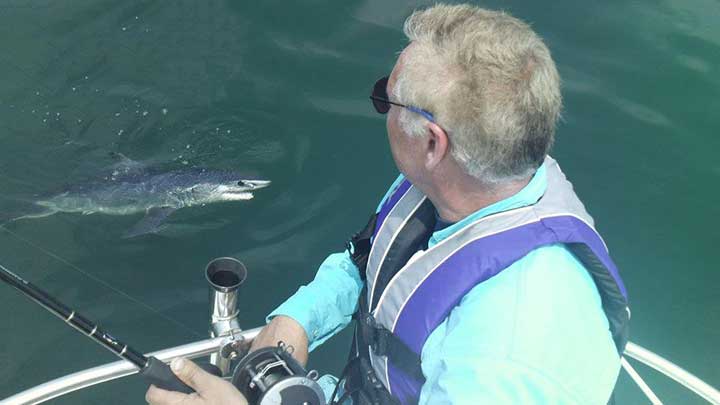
(125, 165)
(123, 160)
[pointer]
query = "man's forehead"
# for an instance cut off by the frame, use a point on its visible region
(398, 66)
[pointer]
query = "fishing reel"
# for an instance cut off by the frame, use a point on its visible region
(271, 376)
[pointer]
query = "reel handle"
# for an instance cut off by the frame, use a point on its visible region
(160, 375)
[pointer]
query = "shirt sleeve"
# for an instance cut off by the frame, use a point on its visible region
(325, 306)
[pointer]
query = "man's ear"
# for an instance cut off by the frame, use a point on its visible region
(438, 145)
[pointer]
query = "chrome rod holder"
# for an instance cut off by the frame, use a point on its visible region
(224, 275)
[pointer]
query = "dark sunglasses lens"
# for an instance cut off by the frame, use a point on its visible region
(381, 106)
(380, 96)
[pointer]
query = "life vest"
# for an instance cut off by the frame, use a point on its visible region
(407, 296)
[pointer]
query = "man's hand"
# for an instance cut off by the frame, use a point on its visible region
(209, 389)
(288, 330)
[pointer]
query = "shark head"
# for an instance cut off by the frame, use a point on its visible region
(234, 189)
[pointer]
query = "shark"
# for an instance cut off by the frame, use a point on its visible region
(133, 188)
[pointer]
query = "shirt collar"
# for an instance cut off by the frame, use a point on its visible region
(529, 195)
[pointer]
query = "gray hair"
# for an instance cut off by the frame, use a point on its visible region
(489, 81)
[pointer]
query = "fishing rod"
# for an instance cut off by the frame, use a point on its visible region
(153, 370)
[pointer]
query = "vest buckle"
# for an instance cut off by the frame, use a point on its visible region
(377, 336)
(369, 375)
(380, 343)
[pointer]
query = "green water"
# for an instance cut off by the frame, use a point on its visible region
(280, 88)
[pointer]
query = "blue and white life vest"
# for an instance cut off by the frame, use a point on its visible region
(410, 294)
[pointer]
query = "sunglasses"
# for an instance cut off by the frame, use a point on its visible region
(382, 103)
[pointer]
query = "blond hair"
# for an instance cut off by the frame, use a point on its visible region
(491, 84)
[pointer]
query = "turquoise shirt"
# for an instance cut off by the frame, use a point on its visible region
(534, 334)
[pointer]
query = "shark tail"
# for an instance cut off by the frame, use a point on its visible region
(37, 211)
(43, 214)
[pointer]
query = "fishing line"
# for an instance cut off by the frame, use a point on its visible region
(102, 282)
(153, 370)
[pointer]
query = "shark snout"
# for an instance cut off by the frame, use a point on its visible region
(254, 184)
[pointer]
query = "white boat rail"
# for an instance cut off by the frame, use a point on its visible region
(100, 374)
(118, 369)
(227, 340)
(669, 369)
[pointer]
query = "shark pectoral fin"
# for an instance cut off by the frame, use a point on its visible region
(150, 223)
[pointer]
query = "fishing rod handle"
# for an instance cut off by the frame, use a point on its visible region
(160, 375)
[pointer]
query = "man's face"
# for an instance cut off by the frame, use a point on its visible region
(406, 150)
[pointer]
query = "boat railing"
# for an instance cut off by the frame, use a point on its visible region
(227, 342)
(122, 368)
(669, 369)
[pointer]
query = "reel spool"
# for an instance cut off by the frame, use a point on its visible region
(271, 376)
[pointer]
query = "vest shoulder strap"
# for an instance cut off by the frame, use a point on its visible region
(361, 382)
(359, 246)
(614, 303)
(385, 343)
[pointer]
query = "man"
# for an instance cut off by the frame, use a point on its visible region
(481, 278)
